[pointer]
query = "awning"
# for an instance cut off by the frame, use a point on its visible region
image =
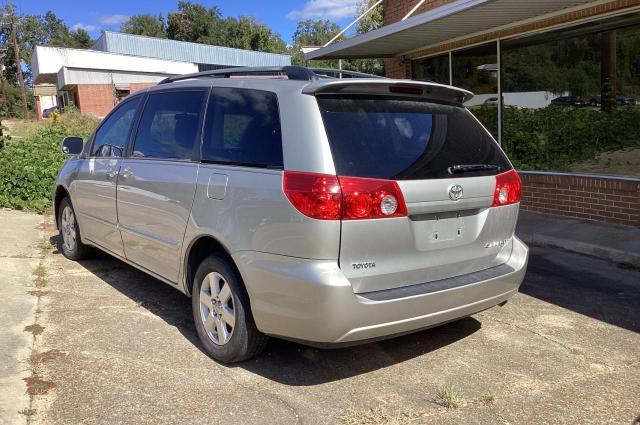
(455, 20)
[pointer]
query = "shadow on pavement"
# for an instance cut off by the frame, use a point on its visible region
(586, 285)
(285, 362)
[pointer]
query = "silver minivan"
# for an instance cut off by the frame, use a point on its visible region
(289, 203)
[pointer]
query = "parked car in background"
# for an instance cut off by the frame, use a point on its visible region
(621, 100)
(568, 101)
(47, 112)
(289, 203)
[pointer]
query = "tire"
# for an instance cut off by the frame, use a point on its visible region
(222, 313)
(70, 240)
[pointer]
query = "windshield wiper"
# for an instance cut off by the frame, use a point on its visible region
(470, 168)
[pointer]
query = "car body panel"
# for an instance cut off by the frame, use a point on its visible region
(313, 302)
(298, 270)
(154, 205)
(94, 198)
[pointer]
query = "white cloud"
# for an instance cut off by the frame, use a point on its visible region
(87, 28)
(326, 9)
(113, 19)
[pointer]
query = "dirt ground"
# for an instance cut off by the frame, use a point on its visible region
(117, 346)
(625, 162)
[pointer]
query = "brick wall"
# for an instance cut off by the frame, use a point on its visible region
(394, 11)
(95, 99)
(134, 87)
(605, 199)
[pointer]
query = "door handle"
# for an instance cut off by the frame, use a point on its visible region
(126, 173)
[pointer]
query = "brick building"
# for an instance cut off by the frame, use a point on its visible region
(95, 79)
(515, 55)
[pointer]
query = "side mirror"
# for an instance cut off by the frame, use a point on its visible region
(72, 145)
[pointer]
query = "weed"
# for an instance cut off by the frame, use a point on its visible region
(450, 397)
(27, 412)
(376, 416)
(488, 398)
(40, 272)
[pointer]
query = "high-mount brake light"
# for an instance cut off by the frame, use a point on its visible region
(508, 189)
(328, 197)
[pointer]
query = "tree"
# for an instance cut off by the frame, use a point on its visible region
(313, 33)
(80, 39)
(146, 24)
(372, 21)
(35, 30)
(194, 22)
(247, 33)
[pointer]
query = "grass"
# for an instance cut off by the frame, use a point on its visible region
(27, 412)
(450, 397)
(40, 273)
(488, 398)
(376, 416)
(19, 128)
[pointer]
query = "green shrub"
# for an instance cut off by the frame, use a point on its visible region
(28, 167)
(555, 137)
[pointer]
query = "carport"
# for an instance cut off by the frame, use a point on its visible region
(518, 56)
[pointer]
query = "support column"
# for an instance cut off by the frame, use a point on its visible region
(499, 78)
(608, 58)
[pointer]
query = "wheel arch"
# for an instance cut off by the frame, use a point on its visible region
(60, 193)
(200, 248)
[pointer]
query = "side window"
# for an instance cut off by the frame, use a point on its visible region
(169, 126)
(112, 136)
(243, 128)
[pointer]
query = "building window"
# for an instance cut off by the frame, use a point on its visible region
(571, 99)
(434, 69)
(476, 70)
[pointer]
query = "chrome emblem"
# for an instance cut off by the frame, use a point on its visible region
(455, 192)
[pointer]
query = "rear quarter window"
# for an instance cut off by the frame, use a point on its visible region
(243, 128)
(403, 139)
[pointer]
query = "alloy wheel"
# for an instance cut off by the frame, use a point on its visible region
(216, 308)
(68, 228)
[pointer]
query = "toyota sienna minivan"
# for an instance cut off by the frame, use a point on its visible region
(289, 203)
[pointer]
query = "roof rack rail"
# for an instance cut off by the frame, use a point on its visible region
(340, 73)
(292, 72)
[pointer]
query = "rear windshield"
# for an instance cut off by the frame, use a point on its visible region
(407, 140)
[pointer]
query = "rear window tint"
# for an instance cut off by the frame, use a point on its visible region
(406, 139)
(243, 128)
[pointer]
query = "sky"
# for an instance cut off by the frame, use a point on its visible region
(280, 15)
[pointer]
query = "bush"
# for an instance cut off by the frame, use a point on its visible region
(553, 138)
(28, 168)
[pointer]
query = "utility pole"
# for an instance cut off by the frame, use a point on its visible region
(16, 50)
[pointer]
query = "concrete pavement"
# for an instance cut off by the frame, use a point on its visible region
(119, 347)
(19, 257)
(620, 244)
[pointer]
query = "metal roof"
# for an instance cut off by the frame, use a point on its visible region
(161, 48)
(457, 19)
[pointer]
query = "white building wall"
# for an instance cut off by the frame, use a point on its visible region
(49, 60)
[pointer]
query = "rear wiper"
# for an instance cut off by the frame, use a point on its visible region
(469, 168)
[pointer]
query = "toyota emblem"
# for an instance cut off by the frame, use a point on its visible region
(455, 192)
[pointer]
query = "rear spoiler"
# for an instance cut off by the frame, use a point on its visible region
(409, 88)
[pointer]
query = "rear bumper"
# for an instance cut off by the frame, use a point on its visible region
(312, 301)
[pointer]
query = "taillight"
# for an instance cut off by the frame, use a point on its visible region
(508, 189)
(371, 198)
(327, 197)
(314, 195)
